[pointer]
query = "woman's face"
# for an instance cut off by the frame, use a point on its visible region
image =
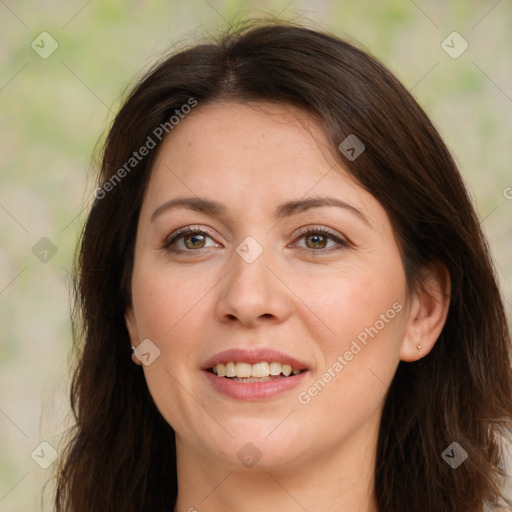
(254, 287)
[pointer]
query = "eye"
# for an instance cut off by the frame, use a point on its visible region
(193, 238)
(316, 240)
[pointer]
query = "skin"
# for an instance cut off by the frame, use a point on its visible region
(299, 296)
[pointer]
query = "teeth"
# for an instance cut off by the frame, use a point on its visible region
(257, 370)
(230, 370)
(221, 370)
(286, 369)
(260, 370)
(243, 369)
(275, 368)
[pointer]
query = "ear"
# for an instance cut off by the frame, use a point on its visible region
(131, 326)
(428, 313)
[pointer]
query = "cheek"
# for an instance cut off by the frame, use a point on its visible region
(164, 301)
(354, 300)
(170, 311)
(350, 389)
(364, 310)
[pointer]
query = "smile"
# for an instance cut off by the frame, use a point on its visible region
(244, 372)
(240, 383)
(252, 375)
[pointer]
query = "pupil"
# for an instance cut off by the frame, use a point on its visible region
(317, 237)
(190, 237)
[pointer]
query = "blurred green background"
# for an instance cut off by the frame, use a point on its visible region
(55, 106)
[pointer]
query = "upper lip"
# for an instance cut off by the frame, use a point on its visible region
(254, 356)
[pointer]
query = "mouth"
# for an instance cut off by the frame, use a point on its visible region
(253, 375)
(263, 371)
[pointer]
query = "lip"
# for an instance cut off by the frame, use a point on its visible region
(254, 356)
(253, 391)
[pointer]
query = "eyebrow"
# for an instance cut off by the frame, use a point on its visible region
(216, 209)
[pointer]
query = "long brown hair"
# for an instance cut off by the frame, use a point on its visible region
(121, 454)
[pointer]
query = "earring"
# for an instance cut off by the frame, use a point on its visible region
(419, 349)
(135, 359)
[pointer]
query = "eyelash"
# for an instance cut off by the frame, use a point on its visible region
(180, 233)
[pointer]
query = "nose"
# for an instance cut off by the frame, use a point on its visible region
(254, 292)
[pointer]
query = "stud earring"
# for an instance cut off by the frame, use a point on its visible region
(419, 349)
(135, 359)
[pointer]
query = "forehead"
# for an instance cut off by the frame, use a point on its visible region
(251, 152)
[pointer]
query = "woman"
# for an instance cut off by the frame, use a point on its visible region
(283, 243)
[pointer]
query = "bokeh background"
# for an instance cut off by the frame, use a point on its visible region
(57, 101)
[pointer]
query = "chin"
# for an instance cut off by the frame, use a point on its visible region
(258, 448)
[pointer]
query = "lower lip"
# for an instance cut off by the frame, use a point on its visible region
(253, 390)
